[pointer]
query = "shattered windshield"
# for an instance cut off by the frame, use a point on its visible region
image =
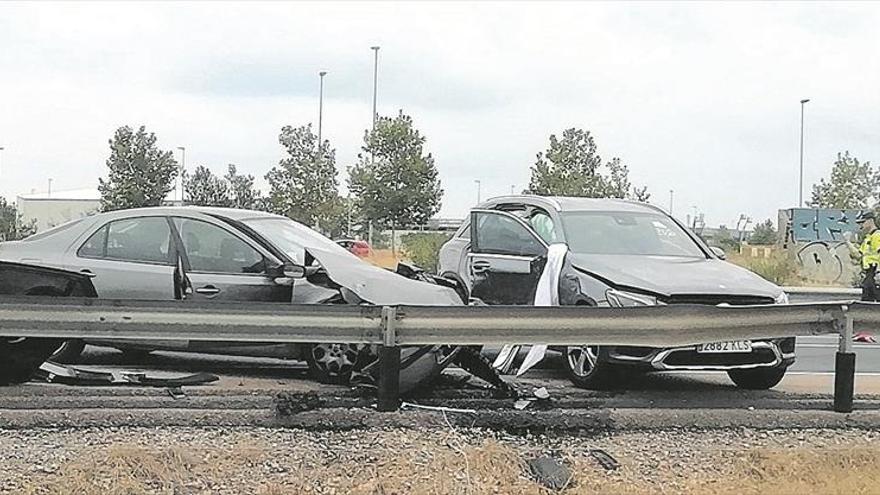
(294, 238)
(627, 233)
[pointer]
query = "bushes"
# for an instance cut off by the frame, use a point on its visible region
(423, 249)
(778, 268)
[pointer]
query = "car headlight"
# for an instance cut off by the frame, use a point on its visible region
(621, 299)
(782, 298)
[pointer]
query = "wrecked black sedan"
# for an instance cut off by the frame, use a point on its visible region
(614, 253)
(217, 254)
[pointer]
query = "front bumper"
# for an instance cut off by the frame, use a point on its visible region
(765, 354)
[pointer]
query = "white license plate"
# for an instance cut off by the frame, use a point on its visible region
(726, 347)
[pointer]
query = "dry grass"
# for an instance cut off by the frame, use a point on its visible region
(452, 466)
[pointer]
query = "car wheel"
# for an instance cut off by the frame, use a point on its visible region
(20, 358)
(69, 352)
(587, 368)
(757, 378)
(333, 363)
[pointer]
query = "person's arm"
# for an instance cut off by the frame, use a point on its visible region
(853, 250)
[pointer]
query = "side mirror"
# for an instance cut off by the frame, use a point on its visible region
(717, 251)
(287, 273)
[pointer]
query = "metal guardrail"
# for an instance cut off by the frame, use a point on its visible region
(818, 294)
(395, 326)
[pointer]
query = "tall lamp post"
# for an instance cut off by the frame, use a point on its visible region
(182, 170)
(477, 182)
(1, 158)
(375, 92)
(801, 182)
(671, 193)
(321, 107)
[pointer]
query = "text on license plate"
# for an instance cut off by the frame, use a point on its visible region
(721, 347)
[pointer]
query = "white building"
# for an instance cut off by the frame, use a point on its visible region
(49, 209)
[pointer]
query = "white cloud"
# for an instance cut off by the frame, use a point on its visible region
(697, 97)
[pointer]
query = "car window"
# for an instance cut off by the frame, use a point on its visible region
(500, 234)
(627, 233)
(212, 249)
(142, 239)
(543, 226)
(465, 233)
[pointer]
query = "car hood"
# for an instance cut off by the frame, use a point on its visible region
(379, 286)
(674, 275)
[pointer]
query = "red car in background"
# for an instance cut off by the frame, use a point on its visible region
(361, 249)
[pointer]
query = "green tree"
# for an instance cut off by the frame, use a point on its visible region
(571, 166)
(12, 227)
(764, 233)
(423, 248)
(395, 182)
(203, 188)
(242, 192)
(852, 185)
(140, 173)
(303, 186)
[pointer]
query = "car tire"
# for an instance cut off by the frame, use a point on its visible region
(757, 378)
(69, 352)
(587, 367)
(333, 363)
(20, 358)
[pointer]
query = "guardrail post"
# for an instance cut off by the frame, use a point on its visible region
(844, 365)
(389, 363)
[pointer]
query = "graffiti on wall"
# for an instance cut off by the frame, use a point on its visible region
(815, 236)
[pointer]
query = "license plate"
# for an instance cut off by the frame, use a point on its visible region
(725, 347)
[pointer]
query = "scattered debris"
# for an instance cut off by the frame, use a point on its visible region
(865, 337)
(72, 375)
(522, 404)
(470, 360)
(542, 393)
(290, 403)
(176, 393)
(404, 405)
(550, 472)
(605, 459)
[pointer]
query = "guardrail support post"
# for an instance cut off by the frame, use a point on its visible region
(389, 363)
(844, 366)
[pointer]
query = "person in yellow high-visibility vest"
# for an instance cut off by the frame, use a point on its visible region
(868, 254)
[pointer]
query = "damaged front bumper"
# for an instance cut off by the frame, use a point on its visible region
(765, 354)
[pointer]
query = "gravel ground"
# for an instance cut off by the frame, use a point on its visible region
(437, 460)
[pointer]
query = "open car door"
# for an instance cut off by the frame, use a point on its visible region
(506, 258)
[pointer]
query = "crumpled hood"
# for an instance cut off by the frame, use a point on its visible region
(673, 275)
(379, 286)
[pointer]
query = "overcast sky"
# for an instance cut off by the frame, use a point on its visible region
(701, 98)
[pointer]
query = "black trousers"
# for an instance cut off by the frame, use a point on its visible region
(869, 285)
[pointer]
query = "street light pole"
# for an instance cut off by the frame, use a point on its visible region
(477, 181)
(671, 193)
(1, 158)
(182, 170)
(321, 108)
(801, 182)
(375, 93)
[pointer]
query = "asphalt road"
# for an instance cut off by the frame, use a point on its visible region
(816, 355)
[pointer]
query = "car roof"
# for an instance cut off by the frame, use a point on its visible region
(232, 213)
(566, 203)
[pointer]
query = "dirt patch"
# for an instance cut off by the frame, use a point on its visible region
(436, 461)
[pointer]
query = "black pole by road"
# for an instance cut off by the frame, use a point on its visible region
(389, 379)
(845, 369)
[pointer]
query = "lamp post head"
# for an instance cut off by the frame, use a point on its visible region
(322, 73)
(181, 148)
(804, 101)
(376, 48)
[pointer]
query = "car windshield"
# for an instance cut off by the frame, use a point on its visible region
(294, 238)
(627, 233)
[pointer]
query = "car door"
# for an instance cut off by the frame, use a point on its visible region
(221, 264)
(505, 260)
(129, 258)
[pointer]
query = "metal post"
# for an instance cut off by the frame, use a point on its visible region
(1, 154)
(320, 108)
(375, 95)
(389, 363)
(478, 183)
(801, 183)
(182, 170)
(844, 366)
